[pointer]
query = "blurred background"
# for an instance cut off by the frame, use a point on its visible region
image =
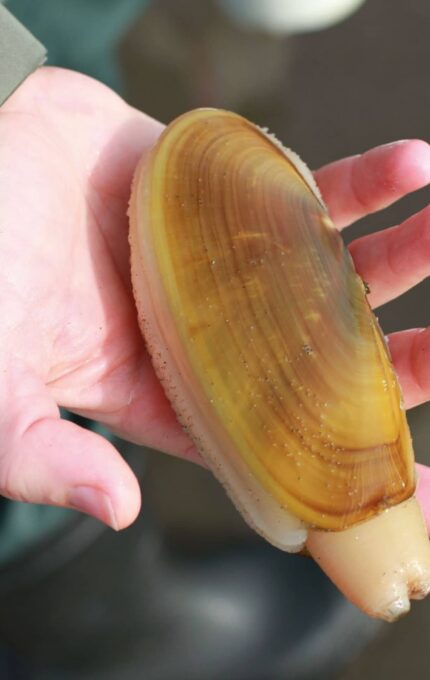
(189, 592)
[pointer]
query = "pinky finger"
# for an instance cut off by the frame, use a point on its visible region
(423, 492)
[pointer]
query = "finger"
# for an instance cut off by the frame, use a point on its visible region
(394, 260)
(44, 459)
(359, 185)
(410, 352)
(423, 492)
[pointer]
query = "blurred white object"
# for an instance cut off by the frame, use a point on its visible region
(289, 16)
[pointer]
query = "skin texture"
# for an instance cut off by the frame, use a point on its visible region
(69, 334)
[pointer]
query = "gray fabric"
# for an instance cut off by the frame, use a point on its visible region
(20, 53)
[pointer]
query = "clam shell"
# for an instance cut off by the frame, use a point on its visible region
(259, 328)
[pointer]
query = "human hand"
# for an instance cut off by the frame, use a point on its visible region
(69, 337)
(68, 150)
(393, 260)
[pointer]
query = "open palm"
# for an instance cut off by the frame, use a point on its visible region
(69, 336)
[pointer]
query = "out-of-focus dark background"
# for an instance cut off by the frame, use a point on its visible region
(188, 593)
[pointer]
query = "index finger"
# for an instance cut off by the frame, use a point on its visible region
(359, 185)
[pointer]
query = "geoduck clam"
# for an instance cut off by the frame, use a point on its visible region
(260, 330)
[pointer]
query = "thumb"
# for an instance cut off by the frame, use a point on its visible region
(44, 459)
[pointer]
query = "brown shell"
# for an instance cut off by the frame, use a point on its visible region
(260, 328)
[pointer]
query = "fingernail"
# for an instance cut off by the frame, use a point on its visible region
(398, 142)
(93, 502)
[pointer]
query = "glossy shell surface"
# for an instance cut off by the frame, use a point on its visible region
(261, 332)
